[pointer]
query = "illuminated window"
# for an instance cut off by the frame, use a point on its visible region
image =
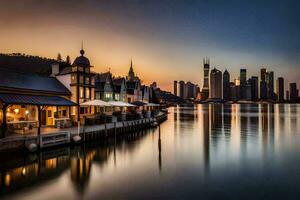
(87, 93)
(73, 78)
(87, 80)
(117, 96)
(108, 95)
(81, 79)
(87, 70)
(81, 92)
(74, 69)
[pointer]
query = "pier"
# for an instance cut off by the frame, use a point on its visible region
(55, 137)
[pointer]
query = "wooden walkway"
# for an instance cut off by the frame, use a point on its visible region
(57, 136)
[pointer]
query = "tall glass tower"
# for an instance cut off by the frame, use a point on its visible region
(205, 89)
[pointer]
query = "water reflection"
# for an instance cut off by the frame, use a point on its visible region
(198, 149)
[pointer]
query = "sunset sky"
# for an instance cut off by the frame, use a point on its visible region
(167, 39)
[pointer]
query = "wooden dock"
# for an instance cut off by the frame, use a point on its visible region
(87, 133)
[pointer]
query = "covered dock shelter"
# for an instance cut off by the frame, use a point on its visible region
(31, 111)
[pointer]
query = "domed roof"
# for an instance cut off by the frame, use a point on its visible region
(81, 60)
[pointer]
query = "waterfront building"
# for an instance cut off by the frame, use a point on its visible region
(226, 86)
(181, 89)
(120, 89)
(270, 84)
(175, 88)
(205, 89)
(254, 88)
(104, 86)
(215, 84)
(146, 93)
(243, 77)
(234, 91)
(263, 90)
(293, 93)
(248, 95)
(80, 80)
(263, 74)
(243, 84)
(280, 89)
(191, 90)
(29, 102)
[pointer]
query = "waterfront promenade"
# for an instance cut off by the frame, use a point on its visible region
(58, 136)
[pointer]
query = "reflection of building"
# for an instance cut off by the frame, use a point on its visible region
(80, 166)
(205, 89)
(280, 89)
(206, 135)
(215, 84)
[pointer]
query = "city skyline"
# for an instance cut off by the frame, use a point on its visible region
(160, 37)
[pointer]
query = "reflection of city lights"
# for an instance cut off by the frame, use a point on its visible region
(24, 171)
(7, 180)
(16, 110)
(27, 112)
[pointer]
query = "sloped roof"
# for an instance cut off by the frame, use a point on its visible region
(100, 81)
(32, 82)
(118, 84)
(35, 100)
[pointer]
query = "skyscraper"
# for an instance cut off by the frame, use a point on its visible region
(205, 89)
(226, 86)
(263, 74)
(254, 88)
(263, 90)
(181, 89)
(215, 84)
(243, 83)
(263, 84)
(190, 90)
(243, 76)
(280, 89)
(270, 83)
(293, 93)
(175, 88)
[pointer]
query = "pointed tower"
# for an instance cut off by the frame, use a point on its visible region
(131, 74)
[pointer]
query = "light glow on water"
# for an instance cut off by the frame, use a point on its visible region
(206, 151)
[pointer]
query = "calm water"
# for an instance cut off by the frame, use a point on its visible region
(207, 152)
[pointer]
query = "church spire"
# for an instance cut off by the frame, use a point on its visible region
(131, 74)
